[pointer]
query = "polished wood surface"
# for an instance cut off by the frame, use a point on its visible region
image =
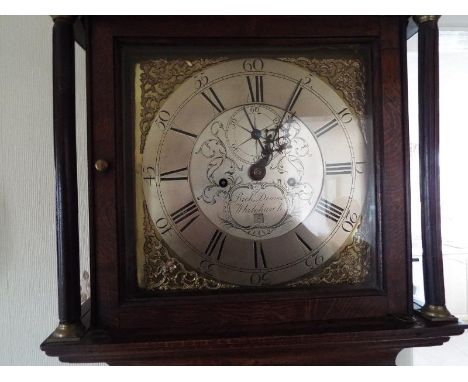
(352, 342)
(428, 69)
(68, 267)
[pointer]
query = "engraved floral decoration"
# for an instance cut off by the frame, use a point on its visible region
(244, 213)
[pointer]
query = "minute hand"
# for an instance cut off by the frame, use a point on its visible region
(292, 100)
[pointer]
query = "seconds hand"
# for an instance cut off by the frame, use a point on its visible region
(256, 134)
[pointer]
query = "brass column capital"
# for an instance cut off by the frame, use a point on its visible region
(424, 19)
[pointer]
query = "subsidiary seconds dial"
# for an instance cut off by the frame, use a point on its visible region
(254, 172)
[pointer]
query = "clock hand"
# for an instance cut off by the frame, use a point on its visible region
(287, 109)
(255, 134)
(270, 140)
(254, 129)
(273, 142)
(242, 127)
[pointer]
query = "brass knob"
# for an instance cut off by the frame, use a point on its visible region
(101, 165)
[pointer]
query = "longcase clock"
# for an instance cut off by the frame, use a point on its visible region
(249, 191)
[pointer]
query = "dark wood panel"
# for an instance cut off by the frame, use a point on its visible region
(103, 222)
(394, 170)
(241, 26)
(188, 317)
(405, 24)
(358, 342)
(428, 72)
(66, 196)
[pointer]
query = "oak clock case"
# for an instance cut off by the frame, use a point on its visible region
(249, 191)
(250, 169)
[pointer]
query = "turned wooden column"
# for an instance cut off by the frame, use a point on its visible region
(68, 263)
(428, 52)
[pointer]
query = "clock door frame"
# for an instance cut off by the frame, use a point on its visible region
(116, 308)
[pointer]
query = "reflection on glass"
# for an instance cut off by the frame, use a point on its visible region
(257, 171)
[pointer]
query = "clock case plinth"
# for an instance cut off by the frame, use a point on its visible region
(350, 342)
(288, 327)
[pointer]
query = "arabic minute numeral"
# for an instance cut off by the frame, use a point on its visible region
(345, 115)
(163, 225)
(206, 267)
(306, 80)
(258, 279)
(163, 117)
(314, 260)
(253, 65)
(201, 80)
(350, 221)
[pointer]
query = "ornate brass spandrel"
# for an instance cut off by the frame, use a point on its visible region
(163, 271)
(345, 75)
(351, 266)
(159, 78)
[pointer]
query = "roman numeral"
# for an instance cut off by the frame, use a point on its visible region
(220, 237)
(255, 88)
(296, 93)
(343, 115)
(184, 132)
(338, 168)
(329, 210)
(326, 128)
(259, 255)
(174, 175)
(213, 100)
(184, 213)
(303, 242)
